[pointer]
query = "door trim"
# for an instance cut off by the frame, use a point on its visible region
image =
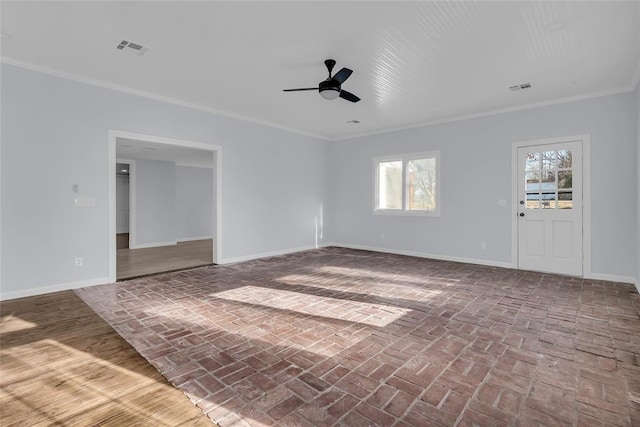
(132, 199)
(586, 196)
(113, 135)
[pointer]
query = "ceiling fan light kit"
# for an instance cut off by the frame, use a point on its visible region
(327, 91)
(331, 87)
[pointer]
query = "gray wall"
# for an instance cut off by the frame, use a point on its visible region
(283, 191)
(156, 216)
(194, 202)
(638, 185)
(476, 172)
(273, 181)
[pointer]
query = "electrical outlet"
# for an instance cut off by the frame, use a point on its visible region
(483, 245)
(79, 262)
(382, 236)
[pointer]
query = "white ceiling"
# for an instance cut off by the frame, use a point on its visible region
(133, 149)
(414, 62)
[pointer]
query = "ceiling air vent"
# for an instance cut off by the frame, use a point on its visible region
(520, 86)
(135, 48)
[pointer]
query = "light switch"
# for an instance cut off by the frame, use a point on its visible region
(85, 202)
(502, 202)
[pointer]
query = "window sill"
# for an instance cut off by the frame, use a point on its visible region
(389, 212)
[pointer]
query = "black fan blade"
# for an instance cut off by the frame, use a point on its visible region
(342, 75)
(348, 96)
(296, 90)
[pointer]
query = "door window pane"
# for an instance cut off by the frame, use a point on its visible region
(390, 185)
(565, 200)
(564, 159)
(533, 201)
(548, 160)
(548, 181)
(532, 162)
(548, 200)
(565, 179)
(421, 180)
(532, 181)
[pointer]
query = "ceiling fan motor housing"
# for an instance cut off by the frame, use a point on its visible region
(329, 89)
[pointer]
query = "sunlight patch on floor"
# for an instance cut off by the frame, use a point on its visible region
(341, 309)
(368, 283)
(76, 387)
(12, 323)
(415, 280)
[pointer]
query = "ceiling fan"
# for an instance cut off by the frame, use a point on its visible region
(331, 88)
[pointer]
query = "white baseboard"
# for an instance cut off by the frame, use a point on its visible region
(270, 254)
(612, 278)
(52, 288)
(595, 276)
(426, 255)
(153, 245)
(191, 239)
(98, 281)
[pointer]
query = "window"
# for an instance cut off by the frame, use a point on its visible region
(407, 184)
(549, 180)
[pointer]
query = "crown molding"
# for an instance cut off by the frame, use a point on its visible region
(150, 95)
(125, 89)
(496, 112)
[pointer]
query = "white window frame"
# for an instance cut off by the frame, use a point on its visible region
(405, 158)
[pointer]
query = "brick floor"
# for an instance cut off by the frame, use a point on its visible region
(344, 337)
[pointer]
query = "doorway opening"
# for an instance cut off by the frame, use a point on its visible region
(164, 204)
(122, 205)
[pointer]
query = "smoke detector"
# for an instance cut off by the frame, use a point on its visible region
(520, 86)
(131, 47)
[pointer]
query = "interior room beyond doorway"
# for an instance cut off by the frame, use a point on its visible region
(164, 207)
(160, 259)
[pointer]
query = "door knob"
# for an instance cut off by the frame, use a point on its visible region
(521, 213)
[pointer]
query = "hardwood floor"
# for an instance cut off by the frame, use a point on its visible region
(61, 364)
(142, 262)
(122, 241)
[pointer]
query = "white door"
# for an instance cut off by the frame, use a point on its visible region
(550, 208)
